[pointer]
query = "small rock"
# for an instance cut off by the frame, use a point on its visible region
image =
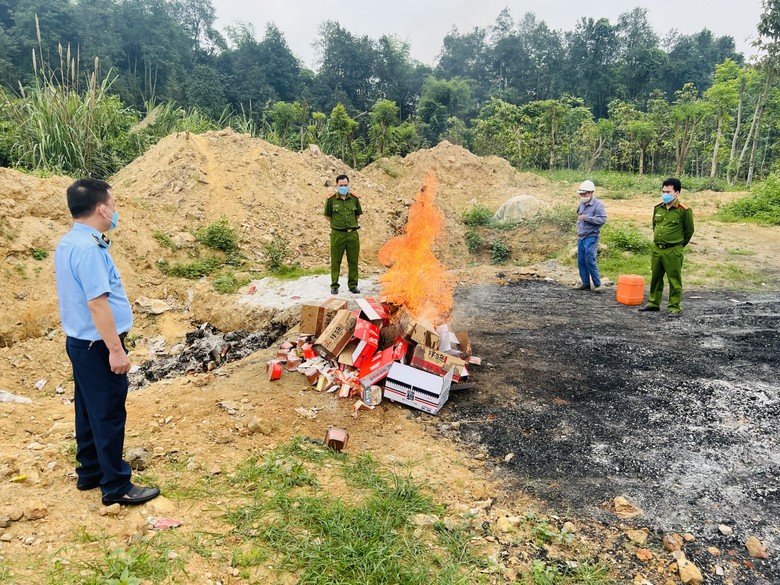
(5, 522)
(138, 458)
(161, 506)
(508, 457)
(569, 527)
(643, 554)
(714, 551)
(637, 536)
(503, 525)
(424, 519)
(725, 530)
(719, 571)
(113, 510)
(455, 426)
(626, 509)
(6, 537)
(673, 542)
(36, 510)
(29, 540)
(16, 514)
(688, 537)
(35, 446)
(689, 573)
(756, 549)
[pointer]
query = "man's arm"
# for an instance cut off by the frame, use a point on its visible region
(599, 216)
(687, 226)
(103, 319)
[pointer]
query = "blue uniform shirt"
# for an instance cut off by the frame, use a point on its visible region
(595, 216)
(85, 271)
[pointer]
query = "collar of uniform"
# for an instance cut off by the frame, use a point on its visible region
(100, 239)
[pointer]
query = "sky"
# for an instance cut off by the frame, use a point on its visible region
(425, 23)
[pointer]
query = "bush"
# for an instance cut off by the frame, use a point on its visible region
(625, 238)
(474, 241)
(164, 239)
(763, 205)
(227, 282)
(562, 216)
(218, 235)
(477, 216)
(277, 252)
(500, 252)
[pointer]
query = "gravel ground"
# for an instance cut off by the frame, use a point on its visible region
(596, 400)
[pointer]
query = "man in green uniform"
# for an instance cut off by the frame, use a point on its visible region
(672, 230)
(343, 209)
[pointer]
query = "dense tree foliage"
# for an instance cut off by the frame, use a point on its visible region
(610, 95)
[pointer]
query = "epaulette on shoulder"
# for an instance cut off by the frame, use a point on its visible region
(354, 194)
(685, 207)
(660, 204)
(329, 196)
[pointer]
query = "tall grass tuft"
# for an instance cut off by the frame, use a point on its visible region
(61, 129)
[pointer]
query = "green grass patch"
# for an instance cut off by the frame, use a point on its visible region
(562, 216)
(723, 274)
(761, 206)
(479, 215)
(740, 252)
(40, 253)
(227, 282)
(164, 239)
(366, 535)
(218, 235)
(625, 238)
(193, 269)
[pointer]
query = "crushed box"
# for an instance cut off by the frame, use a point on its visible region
(336, 335)
(315, 318)
(412, 330)
(437, 362)
(374, 311)
(422, 390)
(374, 369)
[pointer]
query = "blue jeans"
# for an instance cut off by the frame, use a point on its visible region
(586, 260)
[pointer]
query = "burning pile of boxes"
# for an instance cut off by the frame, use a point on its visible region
(352, 352)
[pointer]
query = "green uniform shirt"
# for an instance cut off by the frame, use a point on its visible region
(673, 225)
(343, 213)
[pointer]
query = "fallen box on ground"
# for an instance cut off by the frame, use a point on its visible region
(374, 311)
(315, 318)
(418, 389)
(336, 336)
(437, 362)
(374, 369)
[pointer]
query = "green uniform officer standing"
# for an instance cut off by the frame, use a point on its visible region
(343, 209)
(672, 230)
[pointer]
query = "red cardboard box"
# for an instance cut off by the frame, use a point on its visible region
(315, 318)
(421, 390)
(439, 363)
(374, 369)
(336, 335)
(374, 311)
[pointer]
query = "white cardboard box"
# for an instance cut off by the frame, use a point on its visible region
(418, 389)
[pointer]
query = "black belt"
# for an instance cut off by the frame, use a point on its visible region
(665, 246)
(87, 344)
(346, 229)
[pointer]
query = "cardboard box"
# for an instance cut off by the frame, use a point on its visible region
(421, 390)
(315, 318)
(455, 343)
(437, 362)
(375, 369)
(374, 311)
(410, 329)
(336, 336)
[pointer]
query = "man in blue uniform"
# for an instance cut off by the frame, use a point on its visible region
(591, 215)
(96, 316)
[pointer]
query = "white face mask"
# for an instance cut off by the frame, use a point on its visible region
(586, 200)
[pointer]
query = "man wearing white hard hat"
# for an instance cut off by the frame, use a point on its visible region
(591, 215)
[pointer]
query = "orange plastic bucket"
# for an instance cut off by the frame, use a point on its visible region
(630, 289)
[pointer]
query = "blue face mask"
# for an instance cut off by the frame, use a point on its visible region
(343, 190)
(667, 198)
(114, 220)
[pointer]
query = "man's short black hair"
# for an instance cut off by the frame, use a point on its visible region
(342, 177)
(85, 195)
(673, 183)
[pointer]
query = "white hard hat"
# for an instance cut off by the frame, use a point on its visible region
(586, 187)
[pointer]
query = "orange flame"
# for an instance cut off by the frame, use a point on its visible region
(416, 278)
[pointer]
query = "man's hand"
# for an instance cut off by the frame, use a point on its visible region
(119, 362)
(581, 217)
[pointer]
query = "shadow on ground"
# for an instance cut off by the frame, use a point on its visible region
(595, 400)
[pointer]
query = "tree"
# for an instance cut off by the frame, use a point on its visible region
(722, 97)
(686, 114)
(383, 116)
(343, 128)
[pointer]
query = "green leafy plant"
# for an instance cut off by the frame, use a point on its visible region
(762, 206)
(500, 252)
(218, 235)
(193, 269)
(474, 241)
(164, 239)
(277, 253)
(479, 215)
(228, 283)
(40, 253)
(626, 238)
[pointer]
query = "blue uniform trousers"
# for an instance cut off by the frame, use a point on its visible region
(100, 418)
(586, 260)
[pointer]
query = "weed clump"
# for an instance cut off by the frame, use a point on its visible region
(218, 236)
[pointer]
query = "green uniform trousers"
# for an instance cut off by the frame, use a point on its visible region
(666, 262)
(341, 242)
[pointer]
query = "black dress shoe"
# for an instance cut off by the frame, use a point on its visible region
(355, 291)
(334, 290)
(647, 308)
(136, 495)
(582, 287)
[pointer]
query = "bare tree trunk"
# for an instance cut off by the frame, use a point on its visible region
(753, 148)
(641, 160)
(732, 154)
(747, 141)
(714, 168)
